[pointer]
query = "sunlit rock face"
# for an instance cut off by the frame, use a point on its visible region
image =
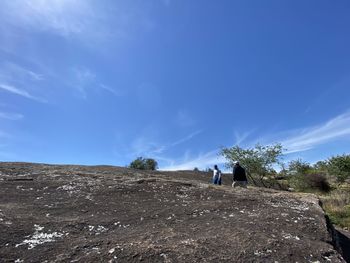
(112, 214)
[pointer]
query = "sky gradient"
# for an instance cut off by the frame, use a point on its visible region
(103, 82)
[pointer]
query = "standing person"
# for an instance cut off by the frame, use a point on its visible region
(239, 176)
(216, 175)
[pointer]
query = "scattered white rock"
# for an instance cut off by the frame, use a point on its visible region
(289, 236)
(39, 238)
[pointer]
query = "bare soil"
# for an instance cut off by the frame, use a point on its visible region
(52, 213)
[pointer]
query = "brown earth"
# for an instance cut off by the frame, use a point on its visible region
(51, 213)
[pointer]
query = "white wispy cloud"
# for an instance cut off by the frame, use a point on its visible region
(10, 116)
(241, 137)
(89, 21)
(64, 17)
(111, 90)
(144, 146)
(85, 80)
(308, 138)
(13, 76)
(202, 161)
(296, 141)
(14, 73)
(186, 138)
(20, 92)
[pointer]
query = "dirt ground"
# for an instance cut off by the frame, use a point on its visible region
(51, 213)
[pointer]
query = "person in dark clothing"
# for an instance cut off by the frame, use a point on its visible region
(239, 176)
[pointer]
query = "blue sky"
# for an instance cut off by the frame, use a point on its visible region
(103, 82)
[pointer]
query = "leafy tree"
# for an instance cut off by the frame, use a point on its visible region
(258, 161)
(298, 167)
(321, 166)
(196, 169)
(151, 164)
(339, 166)
(144, 164)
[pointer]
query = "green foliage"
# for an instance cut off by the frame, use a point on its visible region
(321, 166)
(298, 167)
(144, 164)
(258, 161)
(339, 166)
(196, 169)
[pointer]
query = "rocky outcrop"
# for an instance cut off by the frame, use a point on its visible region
(110, 214)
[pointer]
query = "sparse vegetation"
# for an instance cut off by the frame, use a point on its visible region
(329, 179)
(337, 206)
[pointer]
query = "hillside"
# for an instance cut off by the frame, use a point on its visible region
(109, 214)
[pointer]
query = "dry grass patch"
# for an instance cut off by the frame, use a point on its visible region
(337, 206)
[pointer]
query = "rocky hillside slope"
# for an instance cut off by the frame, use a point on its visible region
(52, 213)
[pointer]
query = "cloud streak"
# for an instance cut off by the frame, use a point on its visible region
(186, 138)
(25, 72)
(336, 128)
(202, 161)
(109, 89)
(85, 80)
(64, 17)
(14, 73)
(20, 92)
(89, 21)
(10, 116)
(301, 140)
(147, 147)
(241, 137)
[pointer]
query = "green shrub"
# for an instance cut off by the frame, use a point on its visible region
(144, 164)
(298, 167)
(339, 166)
(309, 182)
